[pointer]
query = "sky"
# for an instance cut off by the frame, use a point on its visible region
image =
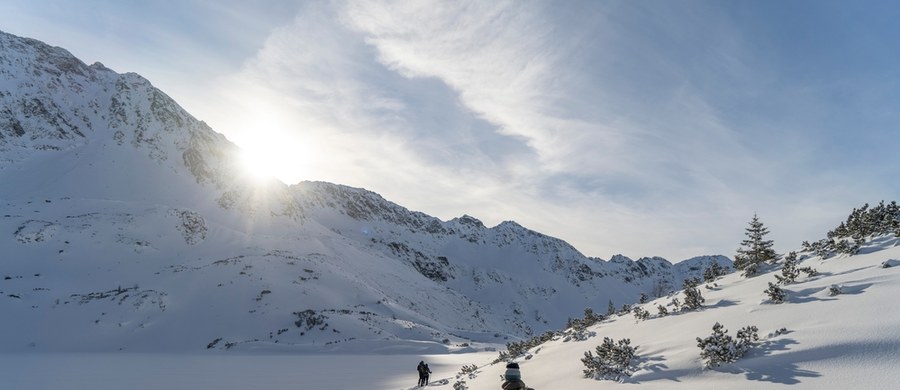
(647, 128)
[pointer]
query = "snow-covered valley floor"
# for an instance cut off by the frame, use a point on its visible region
(850, 340)
(114, 371)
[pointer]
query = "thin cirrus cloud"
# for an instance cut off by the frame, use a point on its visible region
(615, 126)
(505, 79)
(644, 128)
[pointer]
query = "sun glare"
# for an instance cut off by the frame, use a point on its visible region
(283, 161)
(271, 147)
(259, 165)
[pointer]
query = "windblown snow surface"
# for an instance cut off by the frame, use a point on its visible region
(850, 340)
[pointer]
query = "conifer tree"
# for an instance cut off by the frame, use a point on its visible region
(693, 300)
(721, 348)
(640, 314)
(776, 294)
(754, 250)
(613, 360)
(662, 310)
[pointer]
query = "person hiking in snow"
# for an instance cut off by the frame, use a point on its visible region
(421, 369)
(512, 378)
(427, 375)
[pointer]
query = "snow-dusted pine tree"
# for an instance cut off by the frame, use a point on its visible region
(640, 314)
(612, 362)
(754, 250)
(662, 310)
(693, 300)
(720, 348)
(790, 270)
(776, 294)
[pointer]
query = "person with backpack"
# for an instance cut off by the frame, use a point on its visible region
(427, 375)
(512, 378)
(421, 368)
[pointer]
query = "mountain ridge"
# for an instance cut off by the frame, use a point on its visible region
(134, 224)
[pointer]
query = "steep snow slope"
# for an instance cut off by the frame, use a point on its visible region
(842, 341)
(125, 223)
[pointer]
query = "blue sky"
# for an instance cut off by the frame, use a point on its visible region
(636, 127)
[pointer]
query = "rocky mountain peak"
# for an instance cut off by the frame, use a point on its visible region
(114, 181)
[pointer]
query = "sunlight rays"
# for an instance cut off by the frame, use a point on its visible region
(273, 150)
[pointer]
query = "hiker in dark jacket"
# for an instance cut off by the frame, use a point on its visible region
(427, 375)
(421, 368)
(512, 378)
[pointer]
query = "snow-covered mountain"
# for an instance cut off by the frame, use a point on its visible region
(127, 224)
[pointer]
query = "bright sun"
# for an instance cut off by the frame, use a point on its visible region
(283, 161)
(270, 146)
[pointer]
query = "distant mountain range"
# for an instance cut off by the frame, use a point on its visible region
(127, 224)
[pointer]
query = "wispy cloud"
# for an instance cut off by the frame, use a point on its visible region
(616, 126)
(644, 128)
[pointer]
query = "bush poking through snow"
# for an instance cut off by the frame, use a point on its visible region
(640, 314)
(720, 348)
(690, 283)
(662, 310)
(790, 272)
(516, 349)
(577, 327)
(862, 223)
(612, 362)
(713, 272)
(776, 294)
(465, 372)
(693, 300)
(835, 290)
(778, 332)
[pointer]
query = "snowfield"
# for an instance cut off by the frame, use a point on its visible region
(850, 340)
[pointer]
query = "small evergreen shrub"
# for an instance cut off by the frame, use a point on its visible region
(713, 272)
(776, 294)
(640, 314)
(577, 327)
(835, 290)
(778, 332)
(790, 271)
(515, 349)
(468, 371)
(613, 360)
(693, 300)
(721, 348)
(862, 224)
(662, 310)
(690, 283)
(465, 372)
